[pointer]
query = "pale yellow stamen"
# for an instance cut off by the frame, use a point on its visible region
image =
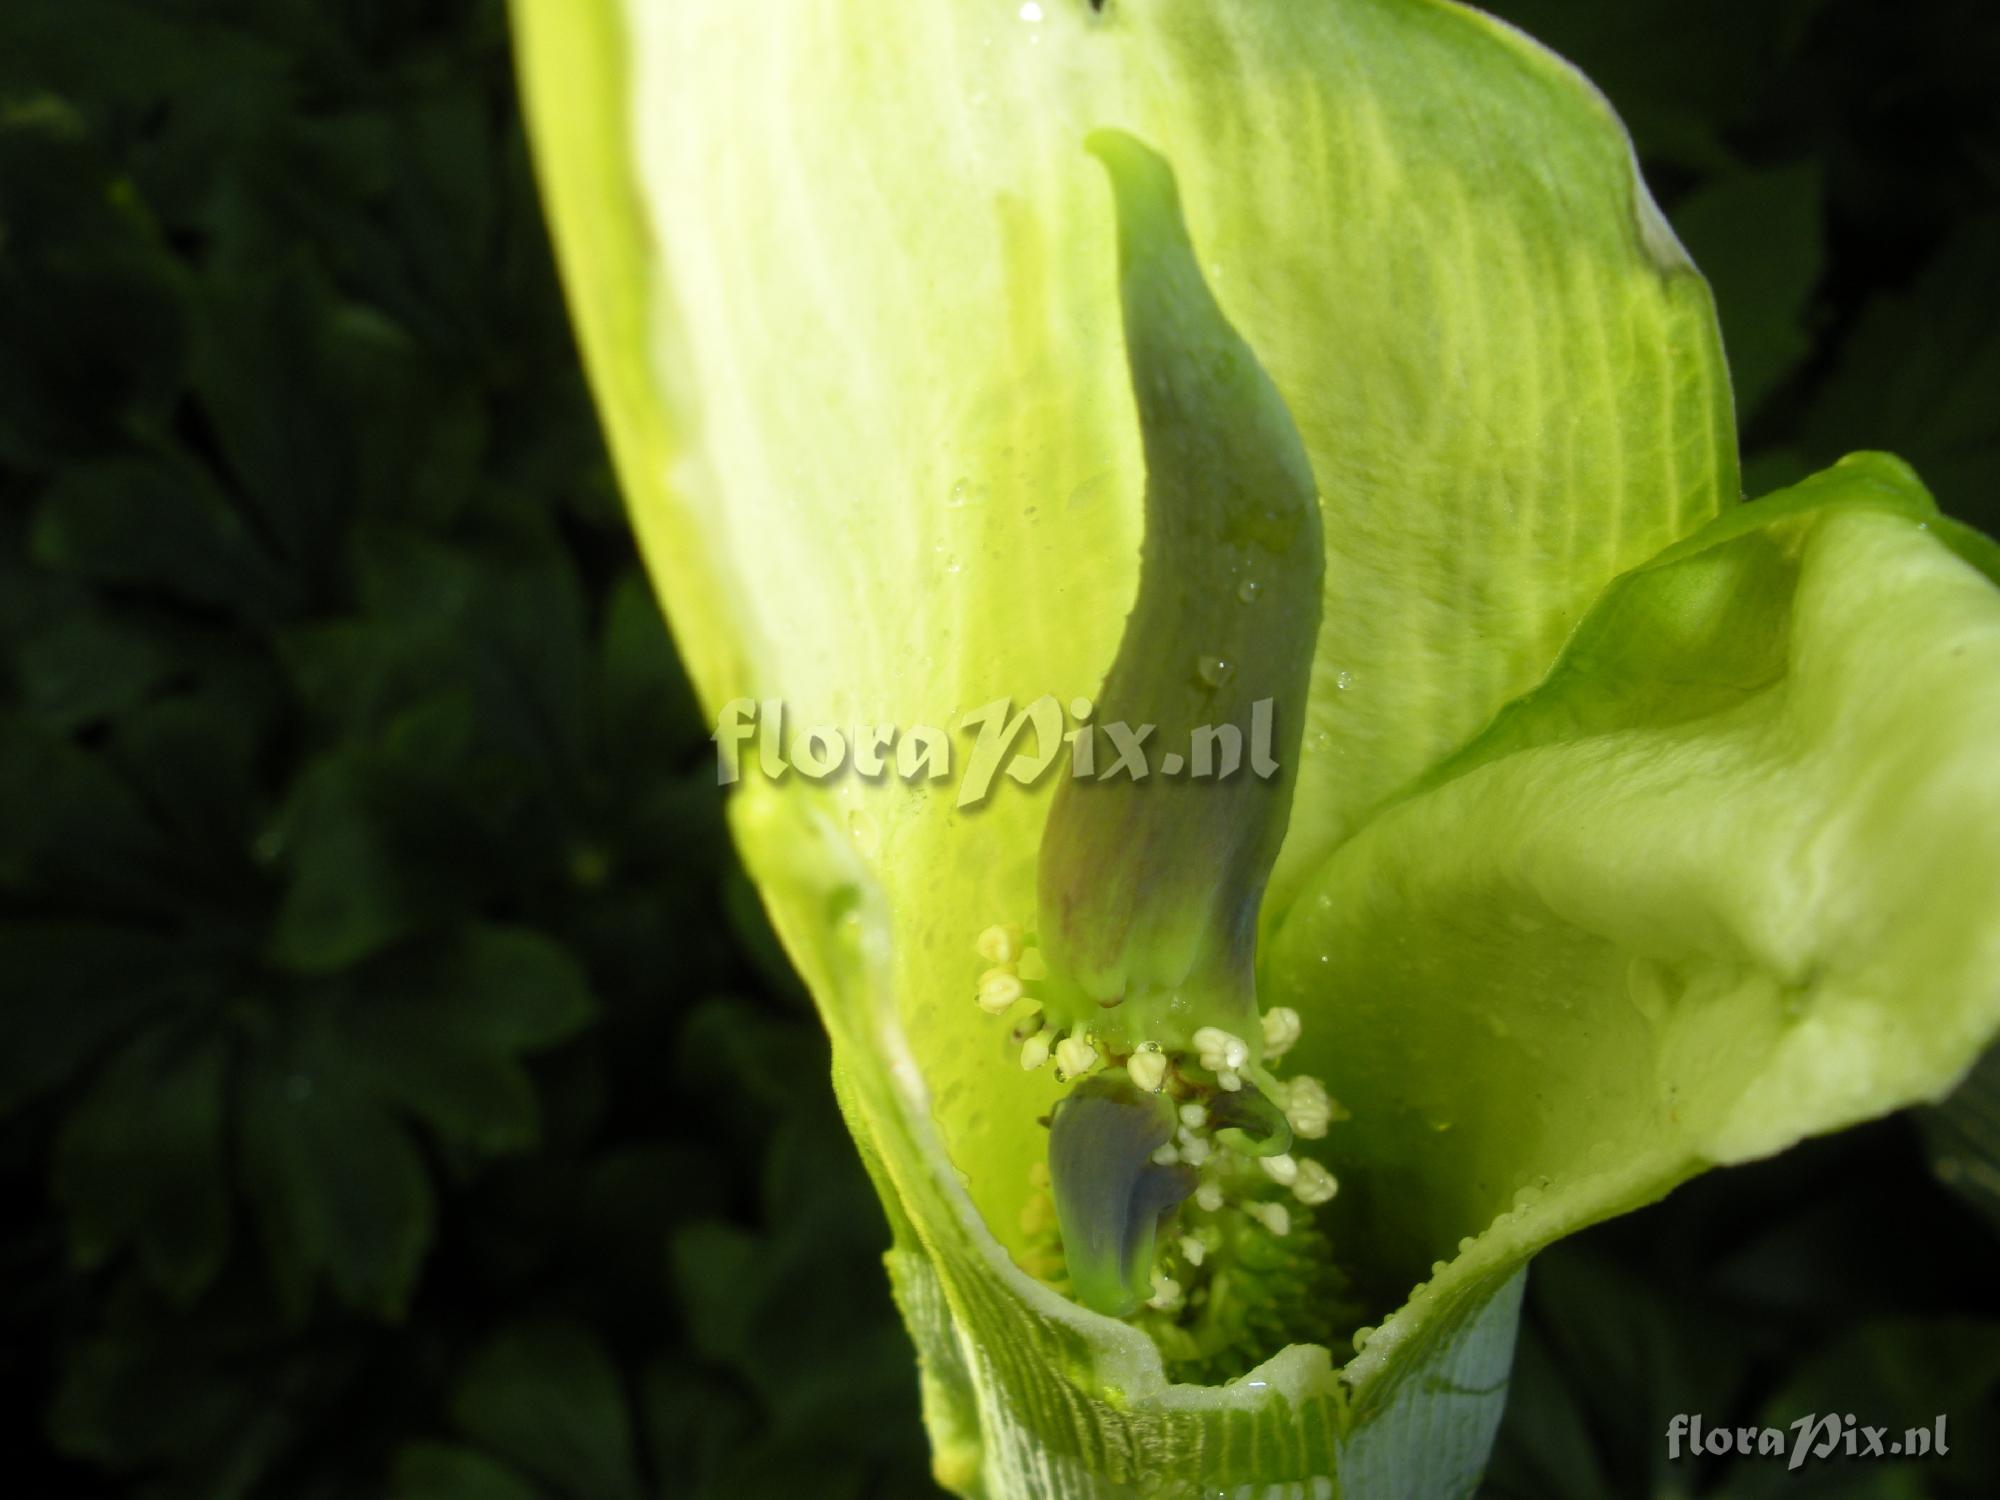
(1281, 1030)
(1034, 1052)
(1220, 1050)
(999, 945)
(1148, 1067)
(1314, 1183)
(1308, 1110)
(998, 989)
(1192, 1249)
(1075, 1055)
(1273, 1216)
(1281, 1169)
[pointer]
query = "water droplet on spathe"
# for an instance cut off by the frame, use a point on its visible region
(1344, 681)
(1248, 590)
(1213, 670)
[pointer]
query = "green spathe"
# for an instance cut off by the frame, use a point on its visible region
(1632, 831)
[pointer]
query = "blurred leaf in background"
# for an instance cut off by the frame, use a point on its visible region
(399, 1091)
(393, 1093)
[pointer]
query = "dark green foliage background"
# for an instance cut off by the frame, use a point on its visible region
(399, 1091)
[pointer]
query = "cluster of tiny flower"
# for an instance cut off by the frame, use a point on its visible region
(1229, 1179)
(1240, 1181)
(1012, 965)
